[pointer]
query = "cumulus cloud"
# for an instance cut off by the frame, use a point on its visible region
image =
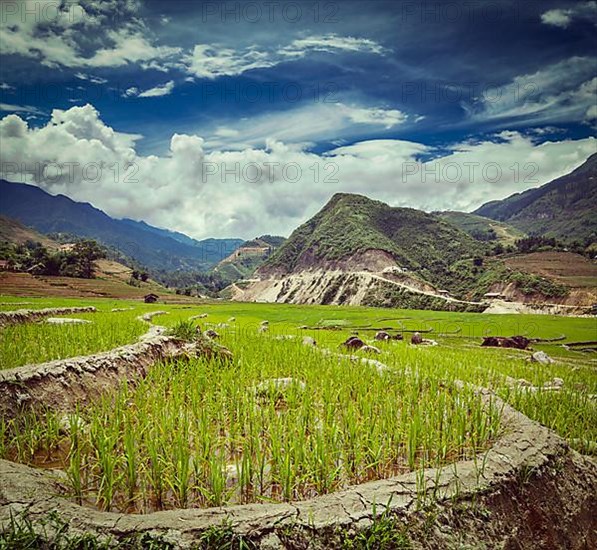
(270, 189)
(563, 17)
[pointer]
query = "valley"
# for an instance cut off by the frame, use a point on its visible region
(298, 275)
(273, 394)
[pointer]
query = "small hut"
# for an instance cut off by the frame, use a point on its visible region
(151, 298)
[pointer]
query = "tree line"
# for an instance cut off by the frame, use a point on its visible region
(32, 257)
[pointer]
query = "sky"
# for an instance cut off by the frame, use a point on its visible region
(236, 119)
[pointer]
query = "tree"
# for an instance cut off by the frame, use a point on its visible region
(86, 253)
(144, 276)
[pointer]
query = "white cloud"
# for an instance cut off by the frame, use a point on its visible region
(227, 132)
(57, 34)
(561, 92)
(314, 122)
(127, 46)
(158, 91)
(212, 62)
(208, 61)
(331, 43)
(271, 189)
(384, 117)
(563, 17)
(133, 91)
(91, 78)
(20, 108)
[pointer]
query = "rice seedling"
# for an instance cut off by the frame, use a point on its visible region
(199, 433)
(285, 422)
(39, 342)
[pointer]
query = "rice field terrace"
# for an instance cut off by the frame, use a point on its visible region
(42, 341)
(285, 421)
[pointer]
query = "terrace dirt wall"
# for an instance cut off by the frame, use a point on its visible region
(65, 383)
(528, 491)
(30, 315)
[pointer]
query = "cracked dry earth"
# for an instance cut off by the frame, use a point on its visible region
(528, 491)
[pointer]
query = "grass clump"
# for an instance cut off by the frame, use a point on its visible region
(184, 330)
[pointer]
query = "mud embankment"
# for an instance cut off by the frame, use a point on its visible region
(30, 315)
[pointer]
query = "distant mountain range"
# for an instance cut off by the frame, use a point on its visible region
(155, 248)
(564, 208)
(354, 251)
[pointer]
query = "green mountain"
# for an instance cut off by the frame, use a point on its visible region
(563, 208)
(152, 247)
(243, 262)
(350, 225)
(482, 229)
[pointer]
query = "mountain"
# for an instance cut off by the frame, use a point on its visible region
(152, 247)
(360, 251)
(14, 232)
(481, 228)
(248, 257)
(111, 279)
(563, 208)
(350, 225)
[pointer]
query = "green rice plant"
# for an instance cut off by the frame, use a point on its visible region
(130, 459)
(104, 440)
(184, 330)
(180, 480)
(74, 468)
(40, 342)
(201, 433)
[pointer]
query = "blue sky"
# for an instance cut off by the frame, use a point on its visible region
(358, 91)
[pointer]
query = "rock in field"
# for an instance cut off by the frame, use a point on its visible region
(382, 335)
(308, 341)
(542, 358)
(555, 383)
(516, 342)
(416, 339)
(354, 342)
